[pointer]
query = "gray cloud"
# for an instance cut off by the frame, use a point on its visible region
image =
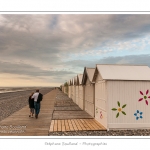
(26, 69)
(48, 35)
(47, 41)
(130, 59)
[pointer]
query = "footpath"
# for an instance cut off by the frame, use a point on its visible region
(20, 124)
(58, 113)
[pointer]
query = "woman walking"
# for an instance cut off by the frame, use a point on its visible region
(31, 105)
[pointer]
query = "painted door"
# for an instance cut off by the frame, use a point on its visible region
(89, 98)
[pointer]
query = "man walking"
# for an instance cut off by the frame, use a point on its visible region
(37, 99)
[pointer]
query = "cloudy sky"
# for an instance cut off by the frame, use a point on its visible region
(47, 50)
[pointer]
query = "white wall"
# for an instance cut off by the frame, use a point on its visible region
(81, 96)
(77, 95)
(69, 91)
(74, 93)
(89, 98)
(65, 90)
(100, 102)
(128, 92)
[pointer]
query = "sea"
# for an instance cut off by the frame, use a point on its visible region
(15, 89)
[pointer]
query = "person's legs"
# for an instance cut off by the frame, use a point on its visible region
(38, 108)
(32, 112)
(35, 107)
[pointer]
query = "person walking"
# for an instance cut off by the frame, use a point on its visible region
(31, 105)
(37, 99)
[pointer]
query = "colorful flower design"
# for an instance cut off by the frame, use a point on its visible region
(138, 114)
(144, 97)
(119, 109)
(101, 115)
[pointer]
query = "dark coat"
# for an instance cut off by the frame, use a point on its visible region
(31, 102)
(40, 97)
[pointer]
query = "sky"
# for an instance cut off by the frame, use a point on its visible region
(50, 49)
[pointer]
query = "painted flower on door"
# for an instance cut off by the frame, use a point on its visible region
(138, 115)
(145, 97)
(101, 115)
(119, 109)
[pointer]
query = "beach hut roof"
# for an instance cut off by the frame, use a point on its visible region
(122, 72)
(70, 81)
(75, 80)
(79, 78)
(88, 73)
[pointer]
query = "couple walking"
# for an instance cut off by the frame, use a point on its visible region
(34, 103)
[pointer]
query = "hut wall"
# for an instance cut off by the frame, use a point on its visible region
(69, 91)
(77, 95)
(89, 98)
(65, 89)
(135, 95)
(100, 102)
(74, 93)
(81, 96)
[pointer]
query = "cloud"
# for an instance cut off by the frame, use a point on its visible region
(54, 34)
(130, 59)
(60, 46)
(29, 70)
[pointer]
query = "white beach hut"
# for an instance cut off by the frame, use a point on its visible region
(122, 96)
(69, 88)
(62, 87)
(77, 90)
(66, 87)
(80, 91)
(89, 90)
(74, 89)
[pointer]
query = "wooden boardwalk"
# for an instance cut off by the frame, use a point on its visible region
(75, 125)
(20, 124)
(56, 114)
(71, 114)
(68, 116)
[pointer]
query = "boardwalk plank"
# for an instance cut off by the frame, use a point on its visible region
(55, 126)
(52, 126)
(63, 125)
(94, 124)
(66, 125)
(88, 123)
(81, 125)
(74, 125)
(100, 125)
(77, 124)
(85, 124)
(59, 125)
(70, 125)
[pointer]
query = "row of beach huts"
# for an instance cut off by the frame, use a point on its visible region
(117, 96)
